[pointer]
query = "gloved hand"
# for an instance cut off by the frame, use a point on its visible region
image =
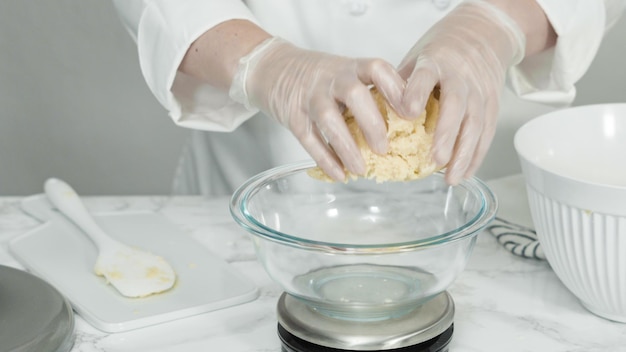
(305, 91)
(467, 54)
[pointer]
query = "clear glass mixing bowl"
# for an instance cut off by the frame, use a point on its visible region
(361, 250)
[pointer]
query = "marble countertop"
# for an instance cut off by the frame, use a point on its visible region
(503, 302)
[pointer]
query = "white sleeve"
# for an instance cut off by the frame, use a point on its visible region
(164, 30)
(550, 77)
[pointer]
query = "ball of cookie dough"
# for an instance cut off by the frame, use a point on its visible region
(410, 141)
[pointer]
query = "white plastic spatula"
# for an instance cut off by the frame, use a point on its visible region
(132, 271)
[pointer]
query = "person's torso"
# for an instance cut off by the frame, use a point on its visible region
(357, 28)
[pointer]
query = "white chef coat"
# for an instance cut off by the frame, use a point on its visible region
(230, 143)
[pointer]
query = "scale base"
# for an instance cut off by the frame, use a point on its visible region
(292, 343)
(427, 328)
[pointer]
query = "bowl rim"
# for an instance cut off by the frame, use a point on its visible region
(588, 194)
(250, 187)
(524, 155)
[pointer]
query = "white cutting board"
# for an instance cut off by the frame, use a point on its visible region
(62, 255)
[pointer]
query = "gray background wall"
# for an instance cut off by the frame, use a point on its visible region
(73, 103)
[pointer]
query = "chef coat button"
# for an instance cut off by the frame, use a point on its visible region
(441, 4)
(357, 7)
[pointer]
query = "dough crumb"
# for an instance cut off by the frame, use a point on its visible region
(410, 141)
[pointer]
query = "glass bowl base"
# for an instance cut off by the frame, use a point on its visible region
(366, 292)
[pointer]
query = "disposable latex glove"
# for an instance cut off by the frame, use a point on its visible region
(467, 54)
(306, 91)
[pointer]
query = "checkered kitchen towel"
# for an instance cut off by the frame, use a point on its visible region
(513, 226)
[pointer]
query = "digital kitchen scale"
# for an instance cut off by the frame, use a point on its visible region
(427, 328)
(35, 317)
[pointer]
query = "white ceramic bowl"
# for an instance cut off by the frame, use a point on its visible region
(574, 163)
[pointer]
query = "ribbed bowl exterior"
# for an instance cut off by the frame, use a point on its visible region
(587, 251)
